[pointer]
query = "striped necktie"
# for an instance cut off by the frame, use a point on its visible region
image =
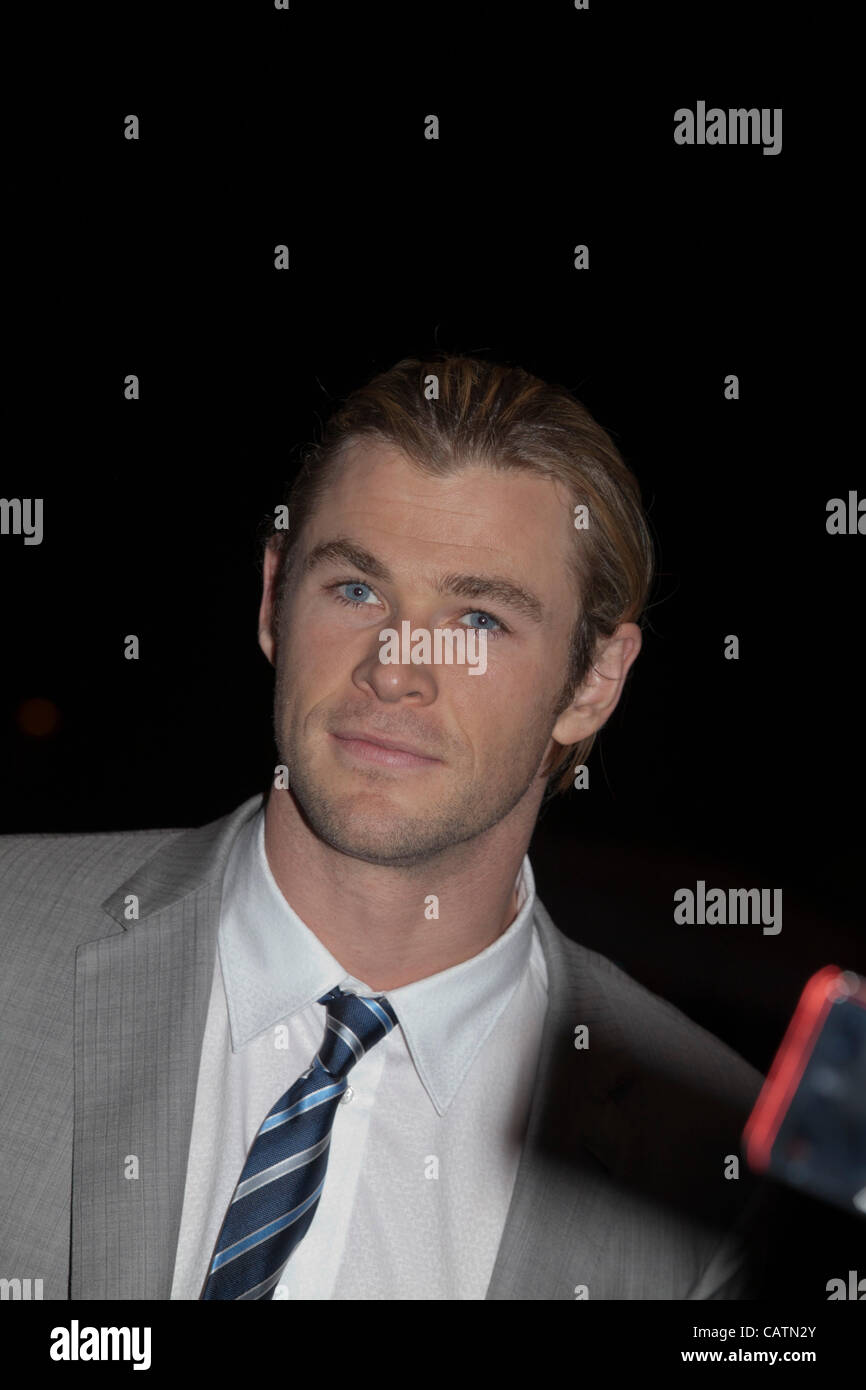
(279, 1189)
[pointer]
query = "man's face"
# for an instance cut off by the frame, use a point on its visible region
(435, 551)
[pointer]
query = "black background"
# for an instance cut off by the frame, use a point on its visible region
(306, 127)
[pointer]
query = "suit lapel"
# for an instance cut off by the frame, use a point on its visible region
(577, 1137)
(141, 998)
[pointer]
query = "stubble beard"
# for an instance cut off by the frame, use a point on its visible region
(372, 825)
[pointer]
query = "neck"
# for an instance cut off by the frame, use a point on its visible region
(372, 917)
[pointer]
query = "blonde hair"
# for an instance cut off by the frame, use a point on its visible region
(504, 417)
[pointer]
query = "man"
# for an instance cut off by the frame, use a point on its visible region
(331, 1046)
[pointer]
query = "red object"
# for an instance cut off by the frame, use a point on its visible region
(824, 989)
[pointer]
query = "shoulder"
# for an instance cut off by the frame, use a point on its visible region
(54, 885)
(107, 856)
(643, 1025)
(676, 1096)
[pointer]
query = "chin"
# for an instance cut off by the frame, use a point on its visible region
(382, 842)
(379, 825)
(374, 815)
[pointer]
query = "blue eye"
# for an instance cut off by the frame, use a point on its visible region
(488, 618)
(354, 585)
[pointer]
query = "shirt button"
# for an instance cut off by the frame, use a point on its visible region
(346, 1096)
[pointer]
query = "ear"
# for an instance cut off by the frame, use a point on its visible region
(596, 699)
(267, 641)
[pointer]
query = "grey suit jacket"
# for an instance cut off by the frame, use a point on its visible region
(621, 1190)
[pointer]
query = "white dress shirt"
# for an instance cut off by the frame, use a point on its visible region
(425, 1143)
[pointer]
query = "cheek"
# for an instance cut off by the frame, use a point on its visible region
(313, 654)
(504, 707)
(494, 707)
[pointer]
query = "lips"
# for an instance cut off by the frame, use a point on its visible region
(389, 743)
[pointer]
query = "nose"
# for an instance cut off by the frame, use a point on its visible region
(395, 681)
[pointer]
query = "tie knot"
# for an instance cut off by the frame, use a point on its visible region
(354, 1025)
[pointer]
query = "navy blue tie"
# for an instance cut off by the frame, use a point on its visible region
(278, 1191)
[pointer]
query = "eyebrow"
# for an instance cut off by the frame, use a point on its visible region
(493, 586)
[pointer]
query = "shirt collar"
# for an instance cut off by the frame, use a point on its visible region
(273, 965)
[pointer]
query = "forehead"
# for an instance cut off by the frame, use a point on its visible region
(514, 518)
